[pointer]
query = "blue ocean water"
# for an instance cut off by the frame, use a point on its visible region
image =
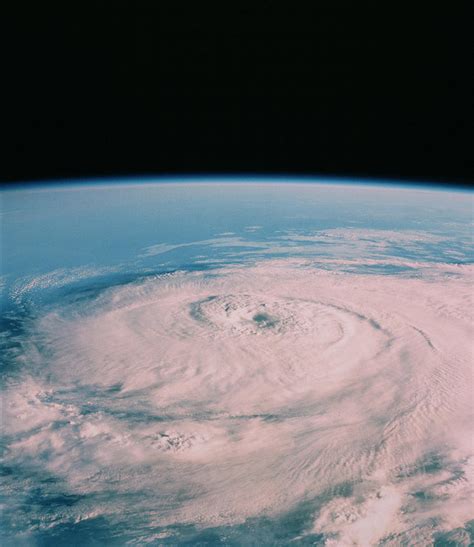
(110, 226)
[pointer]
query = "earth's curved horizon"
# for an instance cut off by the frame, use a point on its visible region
(245, 363)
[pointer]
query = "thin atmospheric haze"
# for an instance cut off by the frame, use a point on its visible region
(228, 362)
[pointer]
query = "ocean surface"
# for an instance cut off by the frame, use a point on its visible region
(237, 363)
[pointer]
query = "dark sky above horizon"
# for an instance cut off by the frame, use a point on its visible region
(126, 88)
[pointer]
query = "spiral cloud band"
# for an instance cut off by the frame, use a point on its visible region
(253, 390)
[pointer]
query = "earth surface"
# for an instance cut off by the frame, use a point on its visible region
(237, 363)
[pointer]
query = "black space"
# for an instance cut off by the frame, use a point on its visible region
(341, 88)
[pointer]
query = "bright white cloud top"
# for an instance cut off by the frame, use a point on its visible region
(275, 378)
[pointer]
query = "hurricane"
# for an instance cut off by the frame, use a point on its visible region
(262, 385)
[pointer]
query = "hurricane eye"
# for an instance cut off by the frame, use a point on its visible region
(264, 320)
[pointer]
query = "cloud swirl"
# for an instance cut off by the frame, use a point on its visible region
(223, 400)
